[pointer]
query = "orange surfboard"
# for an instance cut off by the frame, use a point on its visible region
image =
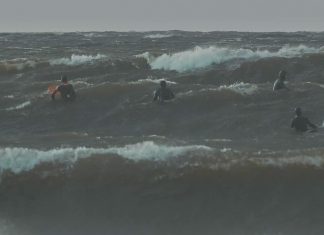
(51, 89)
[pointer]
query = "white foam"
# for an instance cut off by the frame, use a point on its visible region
(152, 80)
(146, 55)
(19, 106)
(200, 57)
(241, 88)
(18, 160)
(158, 35)
(231, 158)
(76, 60)
(314, 161)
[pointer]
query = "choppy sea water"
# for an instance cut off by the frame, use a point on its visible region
(219, 159)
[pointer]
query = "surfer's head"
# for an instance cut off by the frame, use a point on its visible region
(163, 84)
(298, 111)
(282, 74)
(64, 79)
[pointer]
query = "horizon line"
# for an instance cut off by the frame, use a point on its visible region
(168, 30)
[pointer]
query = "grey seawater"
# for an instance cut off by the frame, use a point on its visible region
(219, 159)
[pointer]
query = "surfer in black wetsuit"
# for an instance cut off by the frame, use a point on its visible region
(163, 93)
(301, 123)
(280, 82)
(66, 90)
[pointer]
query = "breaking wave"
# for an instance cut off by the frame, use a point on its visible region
(200, 57)
(75, 60)
(19, 160)
(23, 159)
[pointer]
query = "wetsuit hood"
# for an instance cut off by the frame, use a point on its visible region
(298, 111)
(163, 84)
(64, 79)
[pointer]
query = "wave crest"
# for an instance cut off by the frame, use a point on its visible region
(23, 159)
(200, 57)
(75, 60)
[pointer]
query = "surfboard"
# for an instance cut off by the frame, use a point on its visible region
(51, 88)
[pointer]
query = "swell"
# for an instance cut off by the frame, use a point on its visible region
(20, 161)
(119, 196)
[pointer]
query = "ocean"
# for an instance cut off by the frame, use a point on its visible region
(221, 158)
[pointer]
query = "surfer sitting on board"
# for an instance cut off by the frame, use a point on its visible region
(301, 123)
(163, 93)
(66, 90)
(280, 82)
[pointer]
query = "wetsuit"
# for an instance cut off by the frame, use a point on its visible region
(67, 92)
(162, 94)
(300, 124)
(279, 84)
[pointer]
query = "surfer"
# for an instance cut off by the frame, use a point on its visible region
(301, 123)
(163, 93)
(66, 90)
(280, 82)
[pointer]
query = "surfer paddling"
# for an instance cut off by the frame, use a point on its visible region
(163, 93)
(66, 90)
(301, 123)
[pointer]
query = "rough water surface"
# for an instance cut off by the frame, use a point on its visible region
(219, 159)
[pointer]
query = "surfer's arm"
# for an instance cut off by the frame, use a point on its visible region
(156, 95)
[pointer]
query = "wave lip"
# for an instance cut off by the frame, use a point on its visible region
(75, 60)
(18, 160)
(200, 57)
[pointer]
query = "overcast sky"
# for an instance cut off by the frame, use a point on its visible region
(143, 15)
